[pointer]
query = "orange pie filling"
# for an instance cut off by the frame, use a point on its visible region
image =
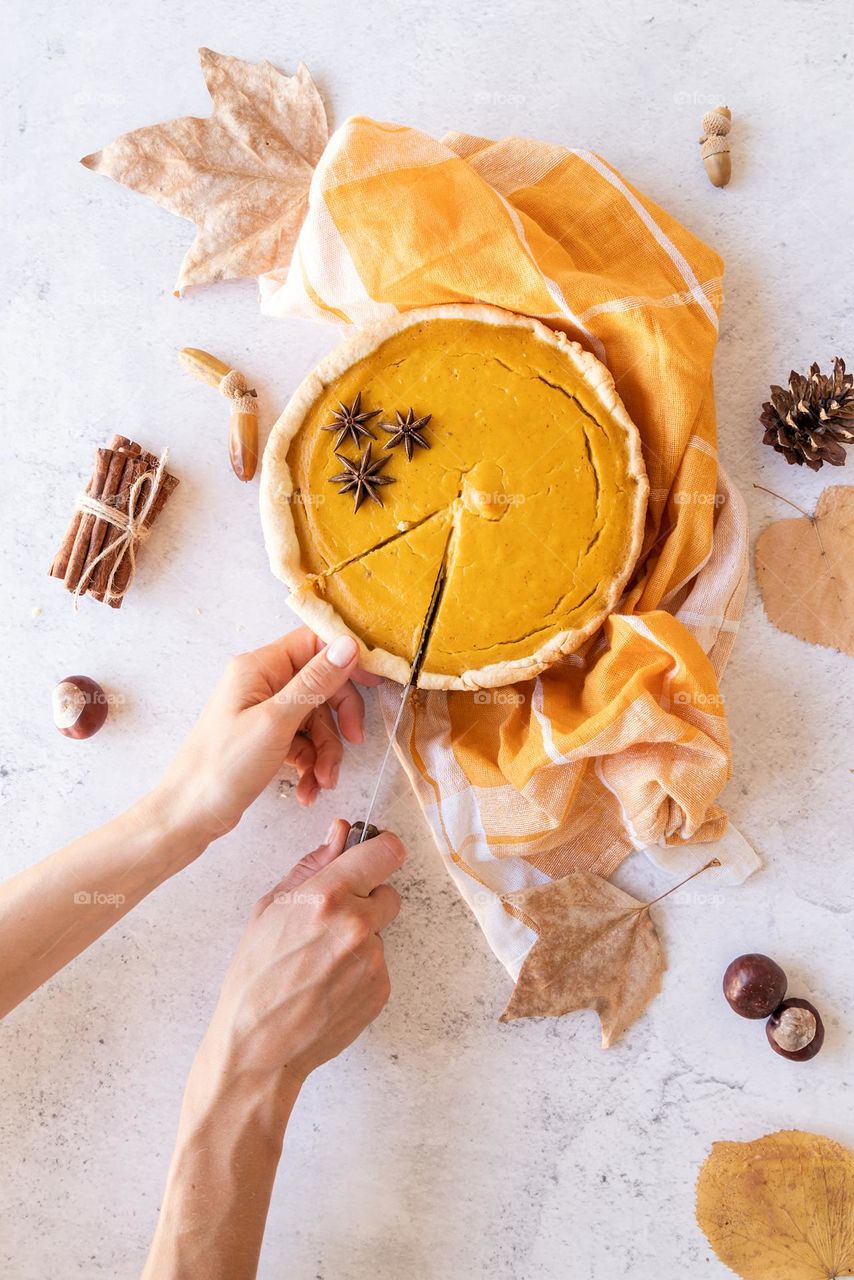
(529, 493)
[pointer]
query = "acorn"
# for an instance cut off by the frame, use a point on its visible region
(80, 707)
(714, 145)
(243, 422)
(795, 1030)
(754, 985)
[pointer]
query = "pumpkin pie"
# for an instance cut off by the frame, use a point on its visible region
(468, 436)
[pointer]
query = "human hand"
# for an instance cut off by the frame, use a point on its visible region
(309, 973)
(273, 706)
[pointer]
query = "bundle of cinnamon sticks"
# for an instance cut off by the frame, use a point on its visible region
(117, 470)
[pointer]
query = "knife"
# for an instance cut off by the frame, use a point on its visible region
(364, 830)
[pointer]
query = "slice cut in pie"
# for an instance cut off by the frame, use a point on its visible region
(468, 436)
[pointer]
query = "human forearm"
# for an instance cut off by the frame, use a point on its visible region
(308, 976)
(52, 911)
(218, 1192)
(248, 730)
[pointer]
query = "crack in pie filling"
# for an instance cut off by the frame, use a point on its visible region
(532, 492)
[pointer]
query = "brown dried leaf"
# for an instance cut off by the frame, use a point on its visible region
(597, 949)
(780, 1208)
(805, 569)
(241, 175)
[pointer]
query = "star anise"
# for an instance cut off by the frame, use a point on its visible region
(362, 477)
(351, 421)
(406, 431)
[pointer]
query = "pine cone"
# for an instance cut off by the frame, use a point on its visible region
(811, 420)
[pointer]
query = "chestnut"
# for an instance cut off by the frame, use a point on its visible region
(355, 832)
(80, 707)
(795, 1030)
(754, 985)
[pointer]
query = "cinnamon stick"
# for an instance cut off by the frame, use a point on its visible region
(120, 446)
(132, 468)
(59, 566)
(168, 484)
(99, 527)
(74, 544)
(102, 529)
(80, 549)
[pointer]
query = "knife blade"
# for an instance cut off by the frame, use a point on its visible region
(364, 830)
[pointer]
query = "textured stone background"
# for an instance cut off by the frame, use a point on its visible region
(442, 1144)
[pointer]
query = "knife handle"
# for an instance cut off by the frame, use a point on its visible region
(354, 835)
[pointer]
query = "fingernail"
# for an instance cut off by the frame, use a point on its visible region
(342, 651)
(331, 832)
(334, 775)
(396, 845)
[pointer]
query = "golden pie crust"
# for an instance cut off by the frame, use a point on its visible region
(533, 491)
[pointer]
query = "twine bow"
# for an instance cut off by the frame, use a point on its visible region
(131, 525)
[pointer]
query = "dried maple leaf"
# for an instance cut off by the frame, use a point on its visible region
(780, 1208)
(241, 175)
(597, 949)
(806, 571)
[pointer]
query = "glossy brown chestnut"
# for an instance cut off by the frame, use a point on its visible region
(355, 832)
(754, 985)
(80, 707)
(798, 1025)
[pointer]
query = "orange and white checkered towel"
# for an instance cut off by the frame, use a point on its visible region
(624, 746)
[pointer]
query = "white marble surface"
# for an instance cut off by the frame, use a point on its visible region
(443, 1144)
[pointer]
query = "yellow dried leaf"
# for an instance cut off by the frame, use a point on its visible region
(806, 572)
(241, 175)
(597, 949)
(780, 1208)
